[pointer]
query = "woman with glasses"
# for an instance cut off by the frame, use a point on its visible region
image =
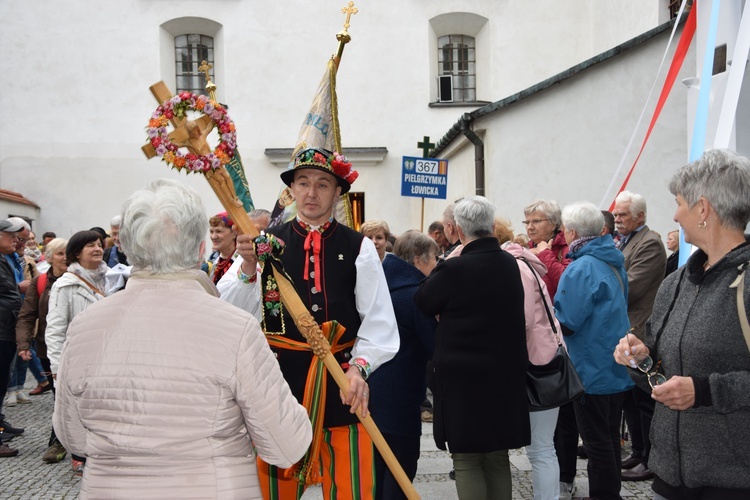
(546, 239)
(592, 307)
(700, 433)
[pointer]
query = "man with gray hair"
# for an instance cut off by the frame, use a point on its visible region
(645, 262)
(449, 229)
(114, 254)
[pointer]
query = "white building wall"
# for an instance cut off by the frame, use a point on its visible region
(76, 77)
(565, 143)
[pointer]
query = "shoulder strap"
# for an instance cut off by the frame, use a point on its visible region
(89, 284)
(739, 283)
(544, 300)
(622, 287)
(41, 284)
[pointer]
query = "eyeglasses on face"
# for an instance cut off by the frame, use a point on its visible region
(12, 236)
(533, 222)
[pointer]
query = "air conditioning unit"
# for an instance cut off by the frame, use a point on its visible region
(445, 88)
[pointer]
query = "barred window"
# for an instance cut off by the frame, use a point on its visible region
(190, 50)
(457, 57)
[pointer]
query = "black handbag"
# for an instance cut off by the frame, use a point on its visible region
(556, 383)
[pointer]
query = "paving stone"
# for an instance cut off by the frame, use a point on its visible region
(27, 477)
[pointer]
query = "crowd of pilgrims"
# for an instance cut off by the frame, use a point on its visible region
(659, 346)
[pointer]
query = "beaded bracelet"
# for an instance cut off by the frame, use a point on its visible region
(245, 278)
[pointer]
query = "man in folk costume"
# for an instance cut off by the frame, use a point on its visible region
(338, 275)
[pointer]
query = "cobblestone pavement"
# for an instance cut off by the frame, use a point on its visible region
(26, 477)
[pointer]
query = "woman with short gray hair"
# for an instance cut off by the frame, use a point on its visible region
(171, 391)
(591, 305)
(696, 340)
(480, 343)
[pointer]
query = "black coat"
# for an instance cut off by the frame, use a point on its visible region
(121, 257)
(10, 301)
(480, 357)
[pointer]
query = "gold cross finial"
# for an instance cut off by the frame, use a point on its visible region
(204, 68)
(349, 10)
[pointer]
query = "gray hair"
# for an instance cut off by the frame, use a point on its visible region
(723, 178)
(53, 247)
(475, 216)
(163, 226)
(258, 213)
(18, 221)
(448, 213)
(637, 203)
(549, 208)
(116, 221)
(414, 244)
(584, 218)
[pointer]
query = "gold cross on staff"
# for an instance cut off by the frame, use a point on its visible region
(349, 10)
(204, 68)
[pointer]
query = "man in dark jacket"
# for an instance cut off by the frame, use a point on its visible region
(10, 304)
(113, 255)
(645, 262)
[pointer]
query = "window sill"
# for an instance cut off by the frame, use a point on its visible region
(468, 104)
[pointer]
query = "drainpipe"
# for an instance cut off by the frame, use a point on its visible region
(478, 153)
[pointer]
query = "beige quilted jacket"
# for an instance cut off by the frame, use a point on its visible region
(167, 389)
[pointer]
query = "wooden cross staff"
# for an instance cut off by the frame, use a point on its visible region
(193, 135)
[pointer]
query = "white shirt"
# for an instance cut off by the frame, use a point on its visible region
(377, 338)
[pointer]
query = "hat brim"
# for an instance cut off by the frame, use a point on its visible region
(12, 229)
(288, 177)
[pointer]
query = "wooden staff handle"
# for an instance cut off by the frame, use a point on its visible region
(222, 185)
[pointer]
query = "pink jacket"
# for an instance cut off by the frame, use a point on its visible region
(170, 392)
(540, 339)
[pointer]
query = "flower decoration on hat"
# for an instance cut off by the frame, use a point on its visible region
(328, 161)
(178, 106)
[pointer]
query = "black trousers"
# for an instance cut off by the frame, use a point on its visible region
(566, 442)
(598, 418)
(406, 450)
(638, 408)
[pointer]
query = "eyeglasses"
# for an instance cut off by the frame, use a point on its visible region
(645, 364)
(12, 236)
(533, 222)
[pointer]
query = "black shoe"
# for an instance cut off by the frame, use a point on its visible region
(630, 461)
(452, 474)
(6, 436)
(638, 473)
(6, 427)
(581, 453)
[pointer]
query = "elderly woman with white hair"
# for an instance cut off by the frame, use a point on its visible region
(480, 359)
(169, 391)
(591, 305)
(698, 340)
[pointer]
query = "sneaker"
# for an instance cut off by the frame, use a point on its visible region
(77, 466)
(22, 398)
(7, 451)
(54, 453)
(567, 490)
(6, 427)
(11, 399)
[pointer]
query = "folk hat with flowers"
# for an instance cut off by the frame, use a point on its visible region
(327, 161)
